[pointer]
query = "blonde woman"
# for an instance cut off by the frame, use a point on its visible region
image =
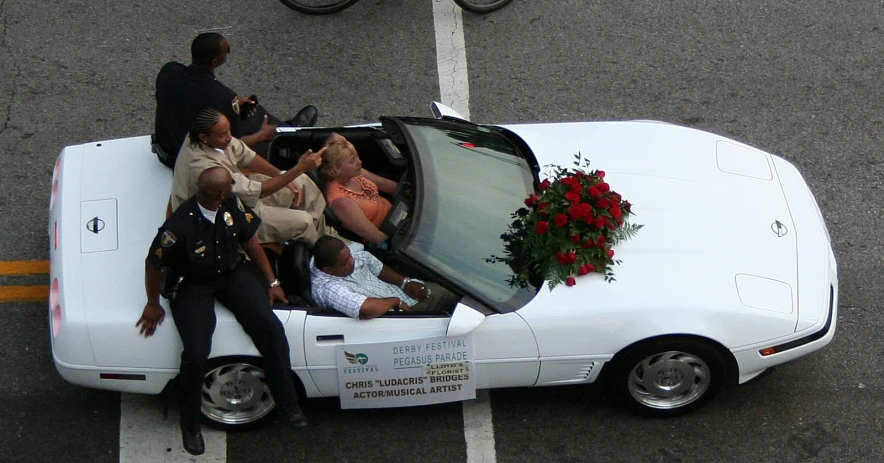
(352, 192)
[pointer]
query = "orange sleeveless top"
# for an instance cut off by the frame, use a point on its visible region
(375, 206)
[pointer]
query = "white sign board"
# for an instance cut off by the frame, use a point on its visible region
(406, 373)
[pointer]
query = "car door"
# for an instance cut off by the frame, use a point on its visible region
(506, 352)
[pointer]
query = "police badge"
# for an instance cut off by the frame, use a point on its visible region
(228, 219)
(168, 239)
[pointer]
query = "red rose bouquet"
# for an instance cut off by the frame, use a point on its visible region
(567, 229)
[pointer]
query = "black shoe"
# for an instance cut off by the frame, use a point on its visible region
(192, 439)
(294, 418)
(306, 117)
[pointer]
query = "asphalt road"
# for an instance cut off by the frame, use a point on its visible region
(797, 78)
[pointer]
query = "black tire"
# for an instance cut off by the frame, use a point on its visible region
(318, 6)
(235, 395)
(668, 377)
(482, 6)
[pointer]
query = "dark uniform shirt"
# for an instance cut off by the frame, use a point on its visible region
(196, 248)
(182, 92)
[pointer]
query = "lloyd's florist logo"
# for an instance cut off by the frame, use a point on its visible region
(361, 360)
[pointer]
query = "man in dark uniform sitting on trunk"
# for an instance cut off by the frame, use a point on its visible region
(200, 243)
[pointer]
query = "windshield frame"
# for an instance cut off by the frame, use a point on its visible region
(404, 243)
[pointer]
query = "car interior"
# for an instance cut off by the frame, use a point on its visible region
(381, 155)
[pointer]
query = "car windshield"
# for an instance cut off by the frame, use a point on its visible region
(471, 180)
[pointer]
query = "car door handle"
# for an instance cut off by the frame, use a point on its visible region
(329, 338)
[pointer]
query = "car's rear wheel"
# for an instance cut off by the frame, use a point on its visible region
(318, 6)
(669, 376)
(235, 394)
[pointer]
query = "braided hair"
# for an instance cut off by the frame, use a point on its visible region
(203, 123)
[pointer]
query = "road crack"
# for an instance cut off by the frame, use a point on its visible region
(4, 45)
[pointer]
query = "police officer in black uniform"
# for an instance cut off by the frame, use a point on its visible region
(200, 242)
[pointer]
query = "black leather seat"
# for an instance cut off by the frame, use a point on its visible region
(294, 272)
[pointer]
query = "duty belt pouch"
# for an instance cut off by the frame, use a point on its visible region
(171, 281)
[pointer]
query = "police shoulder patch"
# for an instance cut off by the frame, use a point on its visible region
(239, 205)
(168, 239)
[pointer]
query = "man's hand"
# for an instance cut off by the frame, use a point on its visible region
(277, 294)
(151, 318)
(244, 100)
(267, 132)
(310, 160)
(296, 191)
(417, 290)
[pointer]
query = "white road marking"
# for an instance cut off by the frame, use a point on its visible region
(146, 437)
(454, 89)
(478, 430)
(451, 56)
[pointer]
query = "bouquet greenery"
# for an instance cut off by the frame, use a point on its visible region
(567, 229)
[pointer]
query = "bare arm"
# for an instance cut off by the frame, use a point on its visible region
(353, 218)
(384, 184)
(308, 162)
(375, 307)
(153, 313)
(266, 133)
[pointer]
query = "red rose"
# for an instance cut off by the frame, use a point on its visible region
(616, 197)
(604, 187)
(582, 270)
(610, 252)
(594, 191)
(627, 206)
(600, 173)
(575, 238)
(600, 242)
(616, 212)
(588, 244)
(542, 208)
(531, 200)
(561, 258)
(569, 181)
(572, 257)
(590, 268)
(575, 211)
(603, 203)
(544, 184)
(572, 197)
(577, 188)
(561, 220)
(542, 227)
(570, 281)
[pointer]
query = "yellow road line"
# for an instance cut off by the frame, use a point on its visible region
(31, 293)
(24, 267)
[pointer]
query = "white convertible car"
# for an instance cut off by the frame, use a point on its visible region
(732, 274)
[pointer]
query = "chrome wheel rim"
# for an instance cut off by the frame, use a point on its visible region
(669, 380)
(236, 394)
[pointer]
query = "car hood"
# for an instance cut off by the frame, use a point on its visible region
(717, 228)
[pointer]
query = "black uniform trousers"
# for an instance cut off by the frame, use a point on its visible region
(193, 310)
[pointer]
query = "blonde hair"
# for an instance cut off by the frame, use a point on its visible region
(337, 149)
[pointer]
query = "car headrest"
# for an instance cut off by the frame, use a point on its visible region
(294, 271)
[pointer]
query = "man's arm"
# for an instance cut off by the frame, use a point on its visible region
(307, 162)
(267, 132)
(375, 307)
(415, 289)
(253, 249)
(153, 313)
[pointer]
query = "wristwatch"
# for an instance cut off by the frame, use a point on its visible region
(405, 282)
(275, 283)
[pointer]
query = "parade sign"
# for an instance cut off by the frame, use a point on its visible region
(406, 373)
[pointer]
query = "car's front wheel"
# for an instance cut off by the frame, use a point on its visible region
(235, 394)
(669, 376)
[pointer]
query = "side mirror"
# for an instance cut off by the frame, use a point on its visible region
(440, 111)
(464, 320)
